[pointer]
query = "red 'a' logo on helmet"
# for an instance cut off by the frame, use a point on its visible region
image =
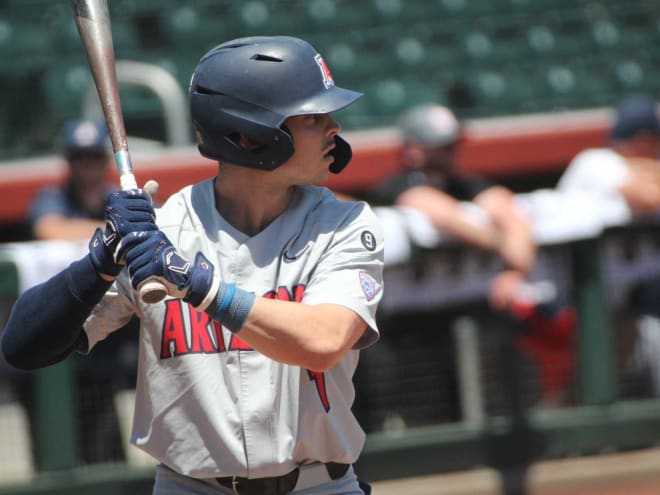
(325, 72)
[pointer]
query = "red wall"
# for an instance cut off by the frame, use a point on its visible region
(519, 146)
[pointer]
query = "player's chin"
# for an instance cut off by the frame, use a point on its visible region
(322, 172)
(321, 177)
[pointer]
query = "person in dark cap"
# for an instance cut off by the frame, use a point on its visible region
(73, 210)
(624, 177)
(637, 119)
(627, 171)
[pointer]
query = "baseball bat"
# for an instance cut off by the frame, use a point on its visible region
(93, 22)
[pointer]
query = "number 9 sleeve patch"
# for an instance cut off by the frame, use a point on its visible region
(368, 240)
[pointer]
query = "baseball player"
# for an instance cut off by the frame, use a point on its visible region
(245, 369)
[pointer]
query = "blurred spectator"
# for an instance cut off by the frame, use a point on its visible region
(430, 183)
(625, 177)
(71, 212)
(628, 170)
(484, 215)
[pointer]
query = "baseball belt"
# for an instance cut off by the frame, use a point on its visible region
(277, 485)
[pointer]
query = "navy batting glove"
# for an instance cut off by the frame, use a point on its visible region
(150, 255)
(125, 212)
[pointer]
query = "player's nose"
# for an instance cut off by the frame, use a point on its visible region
(333, 127)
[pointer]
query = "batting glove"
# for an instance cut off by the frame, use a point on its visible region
(151, 256)
(125, 212)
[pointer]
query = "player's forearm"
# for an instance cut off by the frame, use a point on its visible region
(467, 230)
(517, 246)
(45, 324)
(448, 217)
(641, 194)
(313, 337)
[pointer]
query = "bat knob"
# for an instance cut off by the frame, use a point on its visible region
(152, 291)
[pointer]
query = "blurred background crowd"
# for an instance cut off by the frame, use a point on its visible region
(510, 288)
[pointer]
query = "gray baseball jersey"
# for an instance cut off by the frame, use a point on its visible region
(207, 404)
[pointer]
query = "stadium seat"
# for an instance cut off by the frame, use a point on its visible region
(541, 40)
(373, 57)
(630, 74)
(497, 91)
(507, 35)
(132, 8)
(506, 55)
(327, 16)
(196, 30)
(606, 34)
(25, 125)
(66, 40)
(261, 17)
(388, 97)
(24, 46)
(65, 85)
(457, 9)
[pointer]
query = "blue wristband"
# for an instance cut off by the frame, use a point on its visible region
(231, 306)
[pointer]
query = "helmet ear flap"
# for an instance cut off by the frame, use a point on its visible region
(216, 132)
(342, 154)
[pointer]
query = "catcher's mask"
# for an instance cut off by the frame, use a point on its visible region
(251, 86)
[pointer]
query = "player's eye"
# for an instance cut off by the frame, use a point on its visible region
(313, 118)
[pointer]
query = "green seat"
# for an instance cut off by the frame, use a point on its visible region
(361, 56)
(132, 8)
(24, 46)
(26, 126)
(192, 32)
(65, 85)
(388, 97)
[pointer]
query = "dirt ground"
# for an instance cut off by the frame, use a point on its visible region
(630, 473)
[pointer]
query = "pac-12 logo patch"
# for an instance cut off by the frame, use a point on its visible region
(368, 240)
(368, 285)
(328, 82)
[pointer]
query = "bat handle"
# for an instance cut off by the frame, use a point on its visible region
(151, 290)
(127, 181)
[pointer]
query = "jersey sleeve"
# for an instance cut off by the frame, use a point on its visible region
(350, 271)
(599, 171)
(113, 311)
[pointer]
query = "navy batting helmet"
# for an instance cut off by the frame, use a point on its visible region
(251, 86)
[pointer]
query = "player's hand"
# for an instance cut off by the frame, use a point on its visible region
(125, 212)
(150, 255)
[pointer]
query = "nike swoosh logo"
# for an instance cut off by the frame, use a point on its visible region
(288, 258)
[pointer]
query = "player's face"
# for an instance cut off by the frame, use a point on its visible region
(88, 170)
(314, 140)
(644, 145)
(440, 158)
